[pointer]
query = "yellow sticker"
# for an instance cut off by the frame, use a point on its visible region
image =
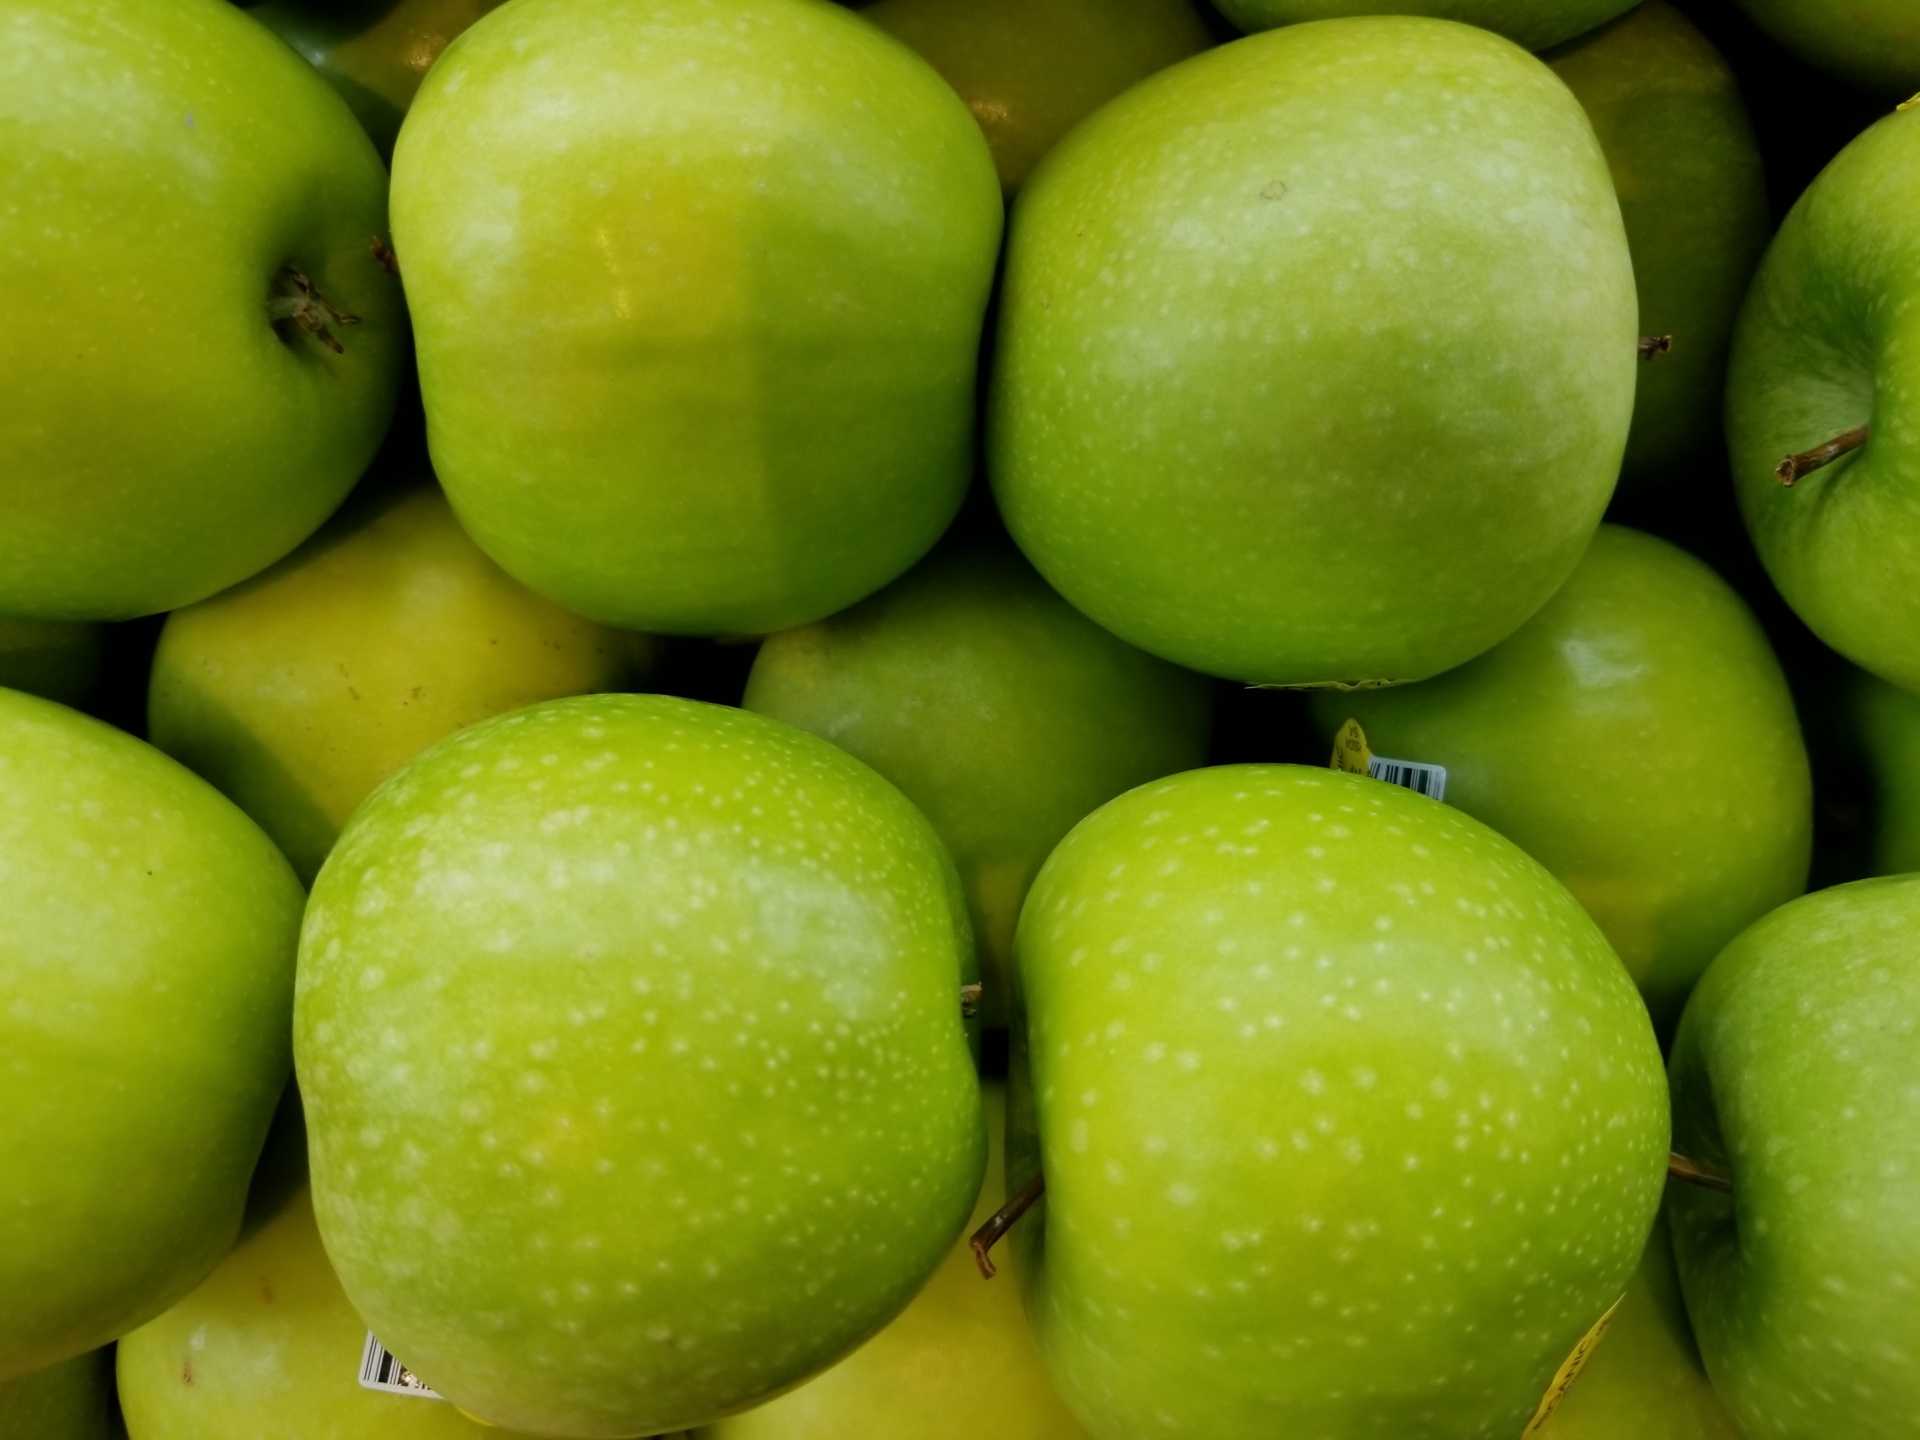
(1350, 752)
(1569, 1371)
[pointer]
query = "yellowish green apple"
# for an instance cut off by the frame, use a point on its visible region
(299, 691)
(630, 1032)
(1030, 71)
(1873, 43)
(1297, 384)
(1535, 24)
(1638, 739)
(997, 708)
(1350, 1121)
(48, 658)
(1686, 166)
(698, 291)
(202, 346)
(146, 983)
(69, 1401)
(1887, 722)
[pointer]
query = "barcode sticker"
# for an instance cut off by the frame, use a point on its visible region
(1427, 780)
(380, 1370)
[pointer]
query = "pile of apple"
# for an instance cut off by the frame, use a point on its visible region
(666, 685)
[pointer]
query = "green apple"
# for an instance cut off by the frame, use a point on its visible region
(698, 292)
(269, 1347)
(1637, 738)
(1887, 722)
(1030, 71)
(1820, 369)
(959, 1363)
(630, 1035)
(190, 214)
(299, 691)
(997, 708)
(1297, 384)
(1686, 166)
(1535, 24)
(1796, 1073)
(147, 934)
(1350, 1121)
(1645, 1382)
(374, 52)
(69, 1401)
(1873, 43)
(58, 661)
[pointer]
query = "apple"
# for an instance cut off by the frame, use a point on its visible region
(268, 1345)
(698, 292)
(72, 1400)
(1816, 394)
(374, 52)
(630, 1033)
(47, 658)
(1873, 43)
(1030, 71)
(147, 934)
(1886, 721)
(997, 708)
(299, 691)
(1638, 739)
(1796, 1075)
(1297, 385)
(1535, 24)
(1686, 166)
(958, 1364)
(192, 217)
(1350, 1121)
(1645, 1381)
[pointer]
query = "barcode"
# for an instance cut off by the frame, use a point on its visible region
(1427, 780)
(379, 1370)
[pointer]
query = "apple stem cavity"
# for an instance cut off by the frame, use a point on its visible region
(1692, 1172)
(294, 300)
(1652, 345)
(383, 255)
(1796, 467)
(969, 1001)
(988, 1235)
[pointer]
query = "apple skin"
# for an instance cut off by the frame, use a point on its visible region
(1873, 43)
(299, 691)
(698, 356)
(1796, 1072)
(374, 52)
(1351, 1122)
(1030, 72)
(161, 439)
(1645, 1382)
(1638, 739)
(1535, 24)
(1887, 723)
(1825, 344)
(997, 708)
(69, 1401)
(1267, 404)
(1686, 166)
(958, 1364)
(630, 1035)
(55, 661)
(146, 979)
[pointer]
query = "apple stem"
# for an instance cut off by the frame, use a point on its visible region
(1796, 467)
(1001, 1221)
(1692, 1172)
(1652, 345)
(969, 1001)
(294, 298)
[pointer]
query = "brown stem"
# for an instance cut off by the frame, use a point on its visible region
(969, 1001)
(1692, 1172)
(1652, 345)
(1796, 467)
(1001, 1221)
(294, 299)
